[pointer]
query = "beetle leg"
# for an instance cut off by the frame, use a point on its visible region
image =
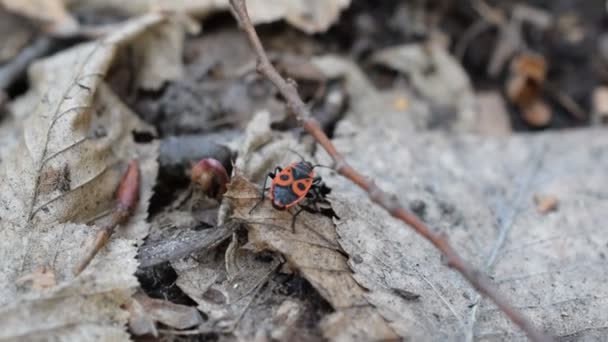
(262, 193)
(315, 195)
(293, 220)
(303, 207)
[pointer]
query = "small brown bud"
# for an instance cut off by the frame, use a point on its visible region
(211, 177)
(128, 191)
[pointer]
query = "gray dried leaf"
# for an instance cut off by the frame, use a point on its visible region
(58, 183)
(438, 77)
(225, 298)
(366, 102)
(479, 192)
(170, 314)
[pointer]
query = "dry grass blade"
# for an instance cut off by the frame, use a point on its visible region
(295, 103)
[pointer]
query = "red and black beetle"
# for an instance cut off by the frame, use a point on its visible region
(294, 185)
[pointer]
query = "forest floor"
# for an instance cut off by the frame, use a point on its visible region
(486, 119)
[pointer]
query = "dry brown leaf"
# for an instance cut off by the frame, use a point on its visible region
(307, 15)
(525, 86)
(61, 176)
(314, 252)
(477, 191)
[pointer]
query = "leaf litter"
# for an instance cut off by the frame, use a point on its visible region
(311, 248)
(479, 192)
(57, 185)
(373, 277)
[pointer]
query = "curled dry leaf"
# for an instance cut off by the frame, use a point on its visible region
(57, 181)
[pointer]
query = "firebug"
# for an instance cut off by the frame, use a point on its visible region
(295, 185)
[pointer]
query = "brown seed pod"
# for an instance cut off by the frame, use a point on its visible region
(211, 177)
(127, 194)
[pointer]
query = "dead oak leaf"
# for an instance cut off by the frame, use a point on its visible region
(56, 184)
(312, 250)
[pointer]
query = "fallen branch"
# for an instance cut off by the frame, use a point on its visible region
(288, 90)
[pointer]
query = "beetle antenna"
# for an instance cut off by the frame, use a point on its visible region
(299, 155)
(303, 159)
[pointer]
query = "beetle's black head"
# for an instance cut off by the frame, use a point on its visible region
(305, 166)
(303, 169)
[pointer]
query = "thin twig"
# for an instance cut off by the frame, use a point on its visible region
(127, 196)
(288, 89)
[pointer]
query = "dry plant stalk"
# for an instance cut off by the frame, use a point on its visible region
(127, 197)
(391, 204)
